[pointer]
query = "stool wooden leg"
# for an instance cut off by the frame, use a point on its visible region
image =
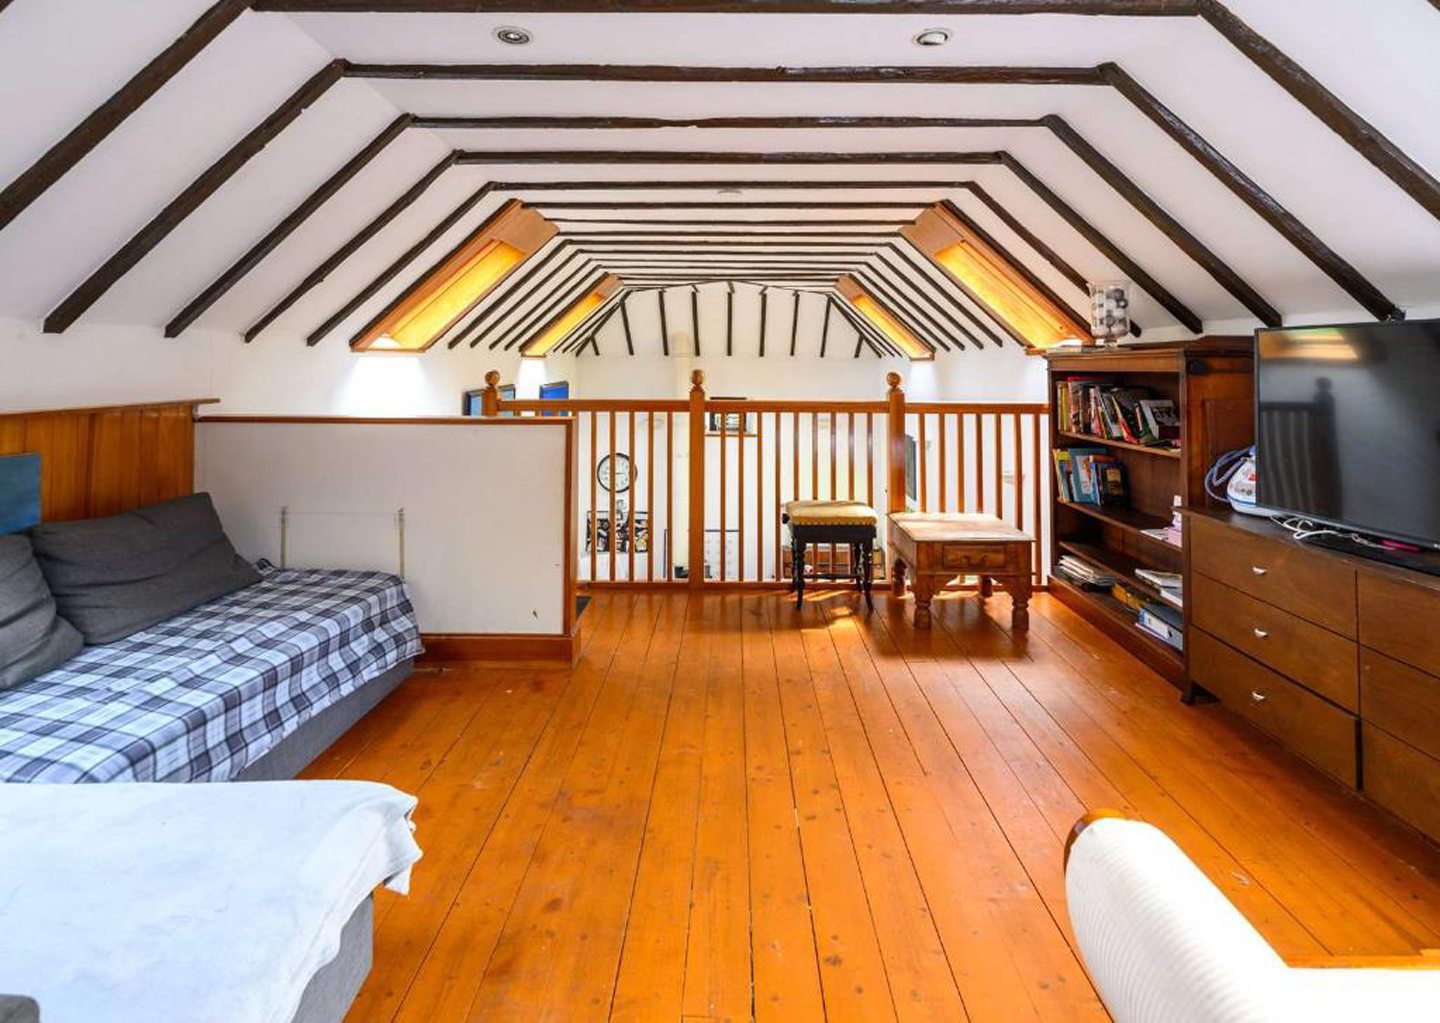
(797, 564)
(867, 572)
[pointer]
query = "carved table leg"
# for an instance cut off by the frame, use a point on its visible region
(897, 577)
(1019, 587)
(924, 587)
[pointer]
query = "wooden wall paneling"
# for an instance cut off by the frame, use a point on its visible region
(106, 460)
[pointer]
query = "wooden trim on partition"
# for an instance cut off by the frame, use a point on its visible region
(189, 200)
(388, 420)
(257, 252)
(62, 157)
(85, 410)
(517, 648)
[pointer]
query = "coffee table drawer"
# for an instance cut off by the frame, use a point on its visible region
(965, 557)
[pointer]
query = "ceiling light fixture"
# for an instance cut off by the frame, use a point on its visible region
(512, 36)
(932, 37)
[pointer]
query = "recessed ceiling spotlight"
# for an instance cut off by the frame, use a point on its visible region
(932, 37)
(728, 191)
(514, 36)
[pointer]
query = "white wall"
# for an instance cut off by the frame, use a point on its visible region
(483, 506)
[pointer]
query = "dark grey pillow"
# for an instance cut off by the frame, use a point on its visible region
(115, 576)
(33, 638)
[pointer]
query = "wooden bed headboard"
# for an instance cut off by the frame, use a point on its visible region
(106, 459)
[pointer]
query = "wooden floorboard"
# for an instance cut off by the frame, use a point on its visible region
(732, 810)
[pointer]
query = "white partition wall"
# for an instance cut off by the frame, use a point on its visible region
(475, 512)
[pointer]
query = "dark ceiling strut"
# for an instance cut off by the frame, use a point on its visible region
(576, 332)
(62, 157)
(794, 323)
(581, 280)
(392, 271)
(1121, 8)
(625, 322)
(1259, 200)
(729, 318)
(931, 306)
(344, 252)
(499, 298)
(879, 343)
(616, 302)
(189, 200)
(509, 308)
(825, 328)
(935, 74)
(910, 316)
(695, 315)
(1112, 251)
(1031, 278)
(577, 337)
(560, 311)
(944, 283)
(571, 157)
(1164, 222)
(579, 123)
(1363, 137)
(227, 280)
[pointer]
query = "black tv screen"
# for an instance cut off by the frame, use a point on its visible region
(1348, 426)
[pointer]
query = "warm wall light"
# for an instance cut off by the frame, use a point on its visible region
(882, 319)
(445, 295)
(1026, 313)
(560, 327)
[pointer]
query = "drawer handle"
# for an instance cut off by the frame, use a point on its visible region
(1260, 633)
(1258, 570)
(1257, 696)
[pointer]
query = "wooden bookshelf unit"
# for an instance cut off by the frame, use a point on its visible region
(1211, 382)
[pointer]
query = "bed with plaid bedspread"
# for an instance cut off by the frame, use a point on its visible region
(204, 694)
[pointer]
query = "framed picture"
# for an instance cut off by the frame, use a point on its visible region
(599, 534)
(736, 424)
(557, 390)
(712, 554)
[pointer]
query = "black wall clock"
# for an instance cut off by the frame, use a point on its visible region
(613, 472)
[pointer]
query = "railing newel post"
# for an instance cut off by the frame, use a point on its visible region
(490, 397)
(697, 480)
(895, 448)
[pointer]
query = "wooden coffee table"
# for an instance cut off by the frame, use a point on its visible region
(935, 548)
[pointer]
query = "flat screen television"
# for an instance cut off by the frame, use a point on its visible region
(1348, 426)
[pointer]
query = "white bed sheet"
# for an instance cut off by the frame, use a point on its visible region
(148, 903)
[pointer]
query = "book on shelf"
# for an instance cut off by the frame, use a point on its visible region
(1083, 574)
(1164, 623)
(1174, 597)
(1091, 476)
(1160, 580)
(1090, 407)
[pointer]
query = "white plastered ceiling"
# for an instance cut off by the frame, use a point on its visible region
(60, 59)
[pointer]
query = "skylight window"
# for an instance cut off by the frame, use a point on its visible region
(992, 281)
(444, 296)
(883, 320)
(561, 327)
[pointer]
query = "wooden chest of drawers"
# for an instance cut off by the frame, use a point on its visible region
(1335, 657)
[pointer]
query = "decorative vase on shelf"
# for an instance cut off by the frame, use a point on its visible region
(1110, 311)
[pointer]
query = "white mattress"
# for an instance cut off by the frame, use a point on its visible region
(194, 903)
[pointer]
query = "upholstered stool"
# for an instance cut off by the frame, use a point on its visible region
(833, 522)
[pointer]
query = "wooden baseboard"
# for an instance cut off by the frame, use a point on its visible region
(501, 648)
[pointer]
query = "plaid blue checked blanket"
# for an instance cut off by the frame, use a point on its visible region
(199, 697)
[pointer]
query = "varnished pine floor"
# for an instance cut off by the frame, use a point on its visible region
(730, 811)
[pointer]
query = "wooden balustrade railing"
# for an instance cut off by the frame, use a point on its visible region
(679, 483)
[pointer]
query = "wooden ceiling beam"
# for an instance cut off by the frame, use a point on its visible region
(788, 122)
(570, 292)
(1098, 8)
(942, 284)
(1363, 137)
(277, 234)
(881, 204)
(514, 290)
(189, 200)
(881, 271)
(918, 74)
(1113, 252)
(62, 157)
(910, 314)
(392, 271)
(351, 246)
(1262, 202)
(626, 157)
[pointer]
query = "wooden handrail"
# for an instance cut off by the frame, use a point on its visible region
(987, 459)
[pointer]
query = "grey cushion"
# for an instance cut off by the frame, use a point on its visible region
(33, 638)
(115, 576)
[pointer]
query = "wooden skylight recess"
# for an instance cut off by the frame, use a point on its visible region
(1016, 304)
(443, 297)
(882, 319)
(562, 325)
